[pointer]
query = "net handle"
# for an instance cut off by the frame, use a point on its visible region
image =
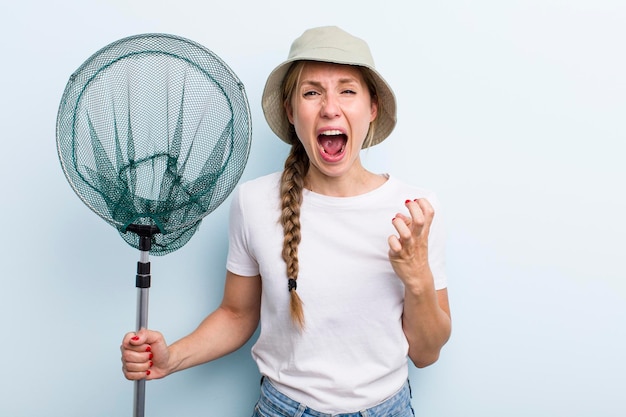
(142, 282)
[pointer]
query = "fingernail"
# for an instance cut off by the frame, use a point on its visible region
(148, 349)
(151, 363)
(151, 356)
(148, 372)
(134, 338)
(415, 200)
(393, 219)
(407, 201)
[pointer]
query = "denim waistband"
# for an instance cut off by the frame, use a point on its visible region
(283, 406)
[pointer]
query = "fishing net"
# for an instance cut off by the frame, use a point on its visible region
(153, 133)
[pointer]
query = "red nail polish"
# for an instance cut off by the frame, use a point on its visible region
(415, 200)
(151, 363)
(393, 219)
(151, 356)
(148, 349)
(148, 372)
(407, 201)
(134, 338)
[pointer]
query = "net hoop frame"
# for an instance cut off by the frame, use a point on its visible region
(76, 99)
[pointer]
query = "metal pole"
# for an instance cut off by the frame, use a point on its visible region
(143, 287)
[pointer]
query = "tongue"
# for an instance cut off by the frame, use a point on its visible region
(332, 144)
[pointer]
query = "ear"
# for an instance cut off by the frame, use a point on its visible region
(288, 111)
(373, 109)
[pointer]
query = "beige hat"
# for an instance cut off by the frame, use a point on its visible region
(328, 44)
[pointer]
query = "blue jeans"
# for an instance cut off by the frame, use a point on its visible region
(272, 403)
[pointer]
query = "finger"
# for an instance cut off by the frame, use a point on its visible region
(130, 338)
(427, 210)
(136, 365)
(135, 375)
(402, 224)
(134, 339)
(415, 210)
(142, 339)
(131, 346)
(422, 213)
(132, 356)
(400, 244)
(136, 371)
(149, 337)
(395, 247)
(134, 351)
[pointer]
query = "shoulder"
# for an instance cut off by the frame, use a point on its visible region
(263, 184)
(403, 189)
(258, 192)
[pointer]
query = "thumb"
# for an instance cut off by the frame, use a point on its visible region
(136, 338)
(142, 336)
(147, 337)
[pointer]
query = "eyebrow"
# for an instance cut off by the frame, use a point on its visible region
(345, 80)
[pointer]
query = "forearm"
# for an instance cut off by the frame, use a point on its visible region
(221, 333)
(426, 322)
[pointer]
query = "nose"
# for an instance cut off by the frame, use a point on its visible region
(330, 107)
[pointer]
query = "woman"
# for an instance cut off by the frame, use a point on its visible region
(343, 267)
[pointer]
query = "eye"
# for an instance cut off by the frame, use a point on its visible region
(348, 91)
(310, 93)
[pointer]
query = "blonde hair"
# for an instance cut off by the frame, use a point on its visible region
(292, 184)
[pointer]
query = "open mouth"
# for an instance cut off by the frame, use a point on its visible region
(332, 143)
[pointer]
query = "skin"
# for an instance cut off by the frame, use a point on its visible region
(426, 315)
(334, 98)
(328, 98)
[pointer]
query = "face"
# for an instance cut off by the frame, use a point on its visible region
(331, 109)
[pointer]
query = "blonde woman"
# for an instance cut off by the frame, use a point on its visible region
(342, 267)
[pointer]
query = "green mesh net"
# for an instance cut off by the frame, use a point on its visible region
(154, 131)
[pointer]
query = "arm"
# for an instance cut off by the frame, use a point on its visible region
(426, 316)
(146, 355)
(427, 325)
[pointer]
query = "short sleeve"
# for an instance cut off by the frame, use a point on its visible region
(239, 261)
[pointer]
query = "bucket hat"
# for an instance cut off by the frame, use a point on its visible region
(334, 45)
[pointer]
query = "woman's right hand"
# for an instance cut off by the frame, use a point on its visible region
(145, 355)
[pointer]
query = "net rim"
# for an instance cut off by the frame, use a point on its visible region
(244, 109)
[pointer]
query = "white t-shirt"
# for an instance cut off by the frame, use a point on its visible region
(352, 353)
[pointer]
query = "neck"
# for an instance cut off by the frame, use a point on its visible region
(354, 183)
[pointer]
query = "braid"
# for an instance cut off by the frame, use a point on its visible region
(292, 183)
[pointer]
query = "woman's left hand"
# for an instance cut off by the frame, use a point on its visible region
(408, 251)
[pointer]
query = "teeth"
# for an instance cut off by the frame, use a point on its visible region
(331, 132)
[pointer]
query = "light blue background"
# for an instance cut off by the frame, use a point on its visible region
(512, 111)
